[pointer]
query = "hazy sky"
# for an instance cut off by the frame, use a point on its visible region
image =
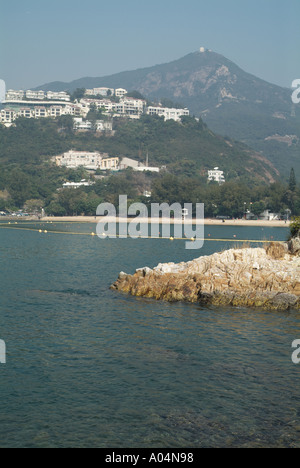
(62, 40)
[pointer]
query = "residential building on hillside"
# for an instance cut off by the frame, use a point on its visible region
(100, 125)
(40, 95)
(58, 96)
(136, 165)
(89, 160)
(13, 95)
(167, 113)
(100, 92)
(120, 92)
(126, 106)
(216, 175)
(40, 104)
(106, 104)
(7, 116)
(83, 183)
(41, 109)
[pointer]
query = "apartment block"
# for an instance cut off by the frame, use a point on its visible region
(93, 161)
(120, 92)
(167, 113)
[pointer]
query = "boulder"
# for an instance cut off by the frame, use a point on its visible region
(294, 246)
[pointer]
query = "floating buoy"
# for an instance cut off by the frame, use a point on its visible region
(171, 238)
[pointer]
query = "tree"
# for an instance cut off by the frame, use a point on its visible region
(135, 95)
(55, 209)
(292, 182)
(66, 123)
(78, 94)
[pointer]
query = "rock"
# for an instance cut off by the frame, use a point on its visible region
(283, 301)
(294, 246)
(245, 277)
(145, 271)
(122, 275)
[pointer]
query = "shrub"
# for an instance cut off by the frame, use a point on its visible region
(276, 250)
(295, 227)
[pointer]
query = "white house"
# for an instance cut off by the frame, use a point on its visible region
(35, 95)
(168, 113)
(7, 116)
(83, 183)
(59, 96)
(216, 175)
(136, 165)
(100, 125)
(120, 92)
(13, 95)
(93, 161)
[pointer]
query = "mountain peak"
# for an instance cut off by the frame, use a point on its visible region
(231, 101)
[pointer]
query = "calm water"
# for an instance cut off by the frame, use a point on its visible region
(89, 367)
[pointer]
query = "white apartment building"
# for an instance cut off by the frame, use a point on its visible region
(26, 112)
(58, 96)
(100, 92)
(137, 165)
(104, 126)
(167, 113)
(13, 95)
(41, 109)
(120, 92)
(100, 125)
(93, 161)
(7, 116)
(99, 103)
(130, 106)
(40, 95)
(127, 105)
(83, 183)
(216, 175)
(40, 112)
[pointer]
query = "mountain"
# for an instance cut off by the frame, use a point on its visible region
(231, 101)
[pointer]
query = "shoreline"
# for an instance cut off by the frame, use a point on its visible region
(207, 222)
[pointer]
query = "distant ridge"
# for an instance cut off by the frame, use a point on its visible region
(231, 101)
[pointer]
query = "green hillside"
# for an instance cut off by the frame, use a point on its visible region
(185, 151)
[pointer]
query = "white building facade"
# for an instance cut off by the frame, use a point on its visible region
(89, 160)
(216, 175)
(168, 113)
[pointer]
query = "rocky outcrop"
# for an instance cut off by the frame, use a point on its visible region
(267, 278)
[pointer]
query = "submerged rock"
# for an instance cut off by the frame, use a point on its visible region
(267, 278)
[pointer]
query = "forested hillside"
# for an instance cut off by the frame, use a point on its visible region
(185, 151)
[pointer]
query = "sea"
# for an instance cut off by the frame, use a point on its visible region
(90, 367)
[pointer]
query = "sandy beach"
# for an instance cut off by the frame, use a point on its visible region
(207, 222)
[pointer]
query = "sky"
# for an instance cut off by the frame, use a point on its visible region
(62, 40)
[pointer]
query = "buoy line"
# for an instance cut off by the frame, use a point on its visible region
(93, 234)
